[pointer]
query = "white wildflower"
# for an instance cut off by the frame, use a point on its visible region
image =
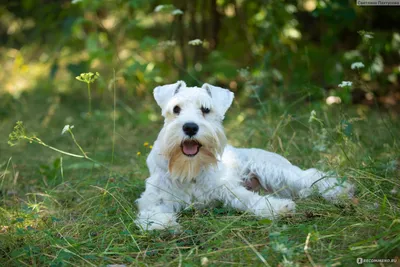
(165, 8)
(357, 65)
(366, 35)
(333, 100)
(177, 12)
(345, 83)
(195, 42)
(67, 128)
(76, 1)
(159, 8)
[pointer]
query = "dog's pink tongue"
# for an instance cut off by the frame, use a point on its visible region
(190, 148)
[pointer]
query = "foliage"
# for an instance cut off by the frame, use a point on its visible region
(89, 77)
(147, 42)
(17, 134)
(315, 80)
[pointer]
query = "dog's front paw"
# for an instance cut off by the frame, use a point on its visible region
(287, 206)
(152, 225)
(160, 221)
(273, 207)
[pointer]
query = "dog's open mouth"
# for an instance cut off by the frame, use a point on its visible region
(190, 147)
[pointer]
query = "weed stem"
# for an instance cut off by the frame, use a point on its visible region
(76, 143)
(90, 99)
(40, 142)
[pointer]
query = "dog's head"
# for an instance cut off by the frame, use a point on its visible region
(193, 136)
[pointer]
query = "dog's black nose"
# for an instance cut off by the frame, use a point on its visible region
(190, 128)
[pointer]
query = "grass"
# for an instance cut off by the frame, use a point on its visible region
(58, 210)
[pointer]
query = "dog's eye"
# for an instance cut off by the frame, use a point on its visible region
(177, 110)
(205, 110)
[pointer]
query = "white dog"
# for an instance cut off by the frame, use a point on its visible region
(191, 164)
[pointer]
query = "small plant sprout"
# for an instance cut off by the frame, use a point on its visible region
(66, 128)
(313, 117)
(19, 133)
(345, 84)
(195, 42)
(88, 78)
(357, 65)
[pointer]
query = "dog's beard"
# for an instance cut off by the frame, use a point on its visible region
(183, 167)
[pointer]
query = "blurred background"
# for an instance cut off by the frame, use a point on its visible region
(316, 81)
(282, 50)
(283, 59)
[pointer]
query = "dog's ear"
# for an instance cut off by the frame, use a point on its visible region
(162, 94)
(222, 97)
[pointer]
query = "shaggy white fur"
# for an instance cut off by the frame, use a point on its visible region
(191, 164)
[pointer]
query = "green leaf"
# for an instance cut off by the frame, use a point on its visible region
(265, 221)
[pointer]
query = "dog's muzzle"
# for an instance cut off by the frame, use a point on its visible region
(190, 147)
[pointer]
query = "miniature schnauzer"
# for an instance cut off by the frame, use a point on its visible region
(192, 164)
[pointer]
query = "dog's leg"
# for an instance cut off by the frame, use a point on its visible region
(157, 208)
(262, 206)
(290, 181)
(286, 180)
(328, 186)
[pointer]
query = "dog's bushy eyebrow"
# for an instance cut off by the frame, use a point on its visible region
(177, 88)
(208, 91)
(204, 101)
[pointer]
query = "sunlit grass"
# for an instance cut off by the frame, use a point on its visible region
(63, 210)
(68, 199)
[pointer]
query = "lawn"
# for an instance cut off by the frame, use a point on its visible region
(60, 210)
(316, 81)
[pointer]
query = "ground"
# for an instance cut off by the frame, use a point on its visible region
(58, 210)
